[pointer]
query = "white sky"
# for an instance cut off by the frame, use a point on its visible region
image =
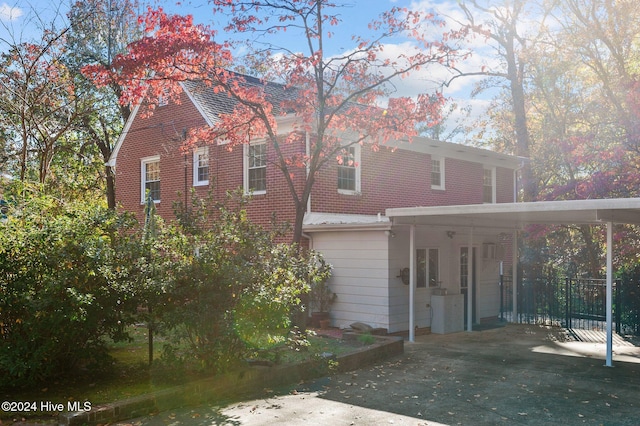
(9, 13)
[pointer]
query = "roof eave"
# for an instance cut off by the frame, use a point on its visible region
(333, 227)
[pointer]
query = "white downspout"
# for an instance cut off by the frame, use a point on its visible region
(514, 275)
(470, 283)
(307, 150)
(412, 281)
(308, 153)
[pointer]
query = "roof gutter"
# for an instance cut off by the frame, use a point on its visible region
(385, 226)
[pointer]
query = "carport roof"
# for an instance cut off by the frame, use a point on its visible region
(517, 215)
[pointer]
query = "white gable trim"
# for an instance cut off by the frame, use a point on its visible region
(114, 154)
(125, 131)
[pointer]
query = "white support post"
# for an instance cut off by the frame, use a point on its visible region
(514, 276)
(470, 289)
(412, 281)
(609, 362)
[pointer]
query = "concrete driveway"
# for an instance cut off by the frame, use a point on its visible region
(516, 374)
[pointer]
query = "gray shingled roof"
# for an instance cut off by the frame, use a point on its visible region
(215, 104)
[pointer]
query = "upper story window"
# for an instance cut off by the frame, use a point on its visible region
(349, 170)
(489, 185)
(163, 98)
(201, 166)
(255, 168)
(437, 173)
(150, 178)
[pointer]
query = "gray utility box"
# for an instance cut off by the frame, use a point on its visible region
(448, 313)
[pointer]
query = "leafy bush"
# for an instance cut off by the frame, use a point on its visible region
(627, 302)
(230, 289)
(74, 273)
(65, 270)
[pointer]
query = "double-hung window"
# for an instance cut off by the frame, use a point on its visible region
(163, 98)
(150, 178)
(349, 170)
(201, 166)
(489, 185)
(255, 168)
(437, 173)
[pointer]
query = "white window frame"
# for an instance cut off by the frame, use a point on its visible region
(440, 162)
(358, 171)
(143, 177)
(163, 98)
(427, 270)
(245, 168)
(202, 151)
(493, 184)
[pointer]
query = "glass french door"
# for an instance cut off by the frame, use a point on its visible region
(465, 268)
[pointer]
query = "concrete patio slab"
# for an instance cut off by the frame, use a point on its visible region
(512, 375)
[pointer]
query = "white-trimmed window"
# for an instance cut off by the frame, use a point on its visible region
(150, 178)
(427, 267)
(349, 171)
(163, 98)
(255, 168)
(489, 185)
(201, 166)
(437, 173)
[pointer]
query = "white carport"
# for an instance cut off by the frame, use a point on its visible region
(513, 217)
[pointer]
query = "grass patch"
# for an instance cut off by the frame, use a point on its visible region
(130, 374)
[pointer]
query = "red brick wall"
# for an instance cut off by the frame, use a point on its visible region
(403, 179)
(504, 185)
(389, 179)
(160, 134)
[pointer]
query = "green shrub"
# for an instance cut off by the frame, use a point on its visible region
(366, 339)
(230, 289)
(63, 287)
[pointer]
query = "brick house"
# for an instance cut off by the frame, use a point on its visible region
(345, 218)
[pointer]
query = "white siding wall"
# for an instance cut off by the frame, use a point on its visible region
(360, 275)
(487, 296)
(399, 293)
(366, 269)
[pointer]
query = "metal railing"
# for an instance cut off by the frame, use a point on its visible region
(572, 303)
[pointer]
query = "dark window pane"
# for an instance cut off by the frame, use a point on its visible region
(421, 265)
(347, 178)
(153, 189)
(258, 179)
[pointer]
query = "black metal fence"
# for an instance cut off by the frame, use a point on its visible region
(572, 303)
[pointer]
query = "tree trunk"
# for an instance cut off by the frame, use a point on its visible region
(111, 187)
(301, 209)
(515, 76)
